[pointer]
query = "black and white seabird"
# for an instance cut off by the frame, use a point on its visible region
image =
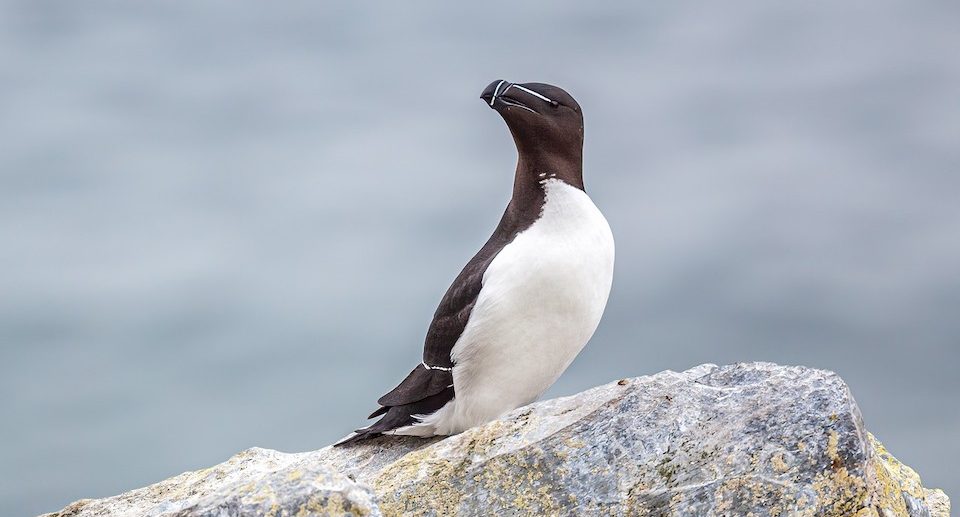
(530, 299)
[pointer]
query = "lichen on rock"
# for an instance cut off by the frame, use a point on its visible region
(747, 439)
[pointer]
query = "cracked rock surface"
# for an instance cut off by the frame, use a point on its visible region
(746, 439)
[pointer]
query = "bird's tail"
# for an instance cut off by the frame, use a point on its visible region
(395, 417)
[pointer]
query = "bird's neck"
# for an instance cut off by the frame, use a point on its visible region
(533, 168)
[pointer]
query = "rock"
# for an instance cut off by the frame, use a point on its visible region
(747, 439)
(254, 482)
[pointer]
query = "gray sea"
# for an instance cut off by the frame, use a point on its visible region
(227, 224)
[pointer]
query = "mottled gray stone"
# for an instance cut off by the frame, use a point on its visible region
(254, 482)
(747, 439)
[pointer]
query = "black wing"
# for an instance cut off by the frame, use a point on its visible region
(426, 390)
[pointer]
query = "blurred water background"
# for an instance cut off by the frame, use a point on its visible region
(227, 224)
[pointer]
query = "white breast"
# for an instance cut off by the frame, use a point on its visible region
(541, 300)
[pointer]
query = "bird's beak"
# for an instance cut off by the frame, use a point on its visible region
(492, 92)
(495, 94)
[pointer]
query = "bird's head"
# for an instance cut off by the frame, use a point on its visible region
(542, 118)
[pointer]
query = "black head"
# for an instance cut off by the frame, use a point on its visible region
(544, 119)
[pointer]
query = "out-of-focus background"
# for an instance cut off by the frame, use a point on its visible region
(228, 224)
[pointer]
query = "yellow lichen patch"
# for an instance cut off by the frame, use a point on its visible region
(840, 493)
(778, 463)
(516, 481)
(676, 499)
(402, 490)
(886, 491)
(421, 480)
(248, 487)
(905, 476)
(891, 479)
(832, 442)
(262, 493)
(330, 504)
(751, 492)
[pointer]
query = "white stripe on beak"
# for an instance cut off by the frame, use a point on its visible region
(495, 90)
(528, 90)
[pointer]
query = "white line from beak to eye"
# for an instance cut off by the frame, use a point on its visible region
(495, 90)
(531, 92)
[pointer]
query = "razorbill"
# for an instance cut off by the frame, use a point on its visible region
(530, 299)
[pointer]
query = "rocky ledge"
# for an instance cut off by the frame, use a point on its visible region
(747, 439)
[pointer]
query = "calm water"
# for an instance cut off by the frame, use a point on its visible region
(227, 224)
